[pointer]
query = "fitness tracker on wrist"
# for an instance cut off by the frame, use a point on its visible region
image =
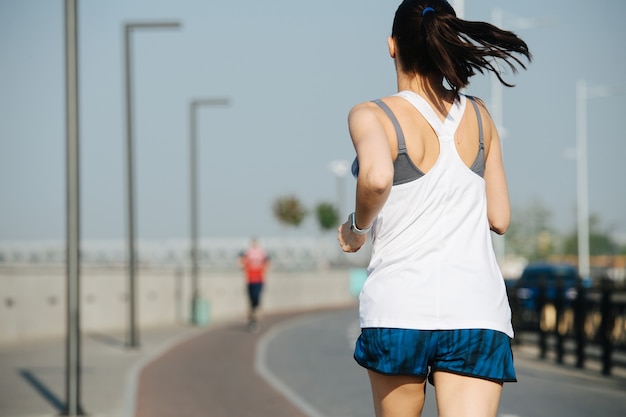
(354, 228)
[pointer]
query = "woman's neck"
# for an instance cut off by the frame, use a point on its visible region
(431, 88)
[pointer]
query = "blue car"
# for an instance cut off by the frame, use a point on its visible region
(525, 291)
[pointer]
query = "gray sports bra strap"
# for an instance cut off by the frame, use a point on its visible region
(396, 125)
(479, 163)
(481, 137)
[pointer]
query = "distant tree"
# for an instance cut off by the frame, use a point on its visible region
(600, 241)
(530, 234)
(327, 216)
(289, 211)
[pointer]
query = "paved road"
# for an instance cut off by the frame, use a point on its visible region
(297, 365)
(309, 360)
(212, 375)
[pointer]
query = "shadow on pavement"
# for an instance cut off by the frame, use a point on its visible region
(43, 390)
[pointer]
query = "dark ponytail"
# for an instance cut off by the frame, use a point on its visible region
(431, 40)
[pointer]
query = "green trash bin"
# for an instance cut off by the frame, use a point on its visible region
(357, 279)
(201, 312)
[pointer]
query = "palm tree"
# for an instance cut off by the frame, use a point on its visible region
(289, 211)
(327, 216)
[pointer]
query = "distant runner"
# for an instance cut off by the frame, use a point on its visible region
(254, 261)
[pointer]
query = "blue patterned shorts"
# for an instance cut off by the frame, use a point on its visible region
(478, 353)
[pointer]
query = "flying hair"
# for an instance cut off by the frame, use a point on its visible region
(432, 40)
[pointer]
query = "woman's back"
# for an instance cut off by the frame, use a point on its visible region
(431, 240)
(421, 140)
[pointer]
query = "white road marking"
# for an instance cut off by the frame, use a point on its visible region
(263, 370)
(352, 332)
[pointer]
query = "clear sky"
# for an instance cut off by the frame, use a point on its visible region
(292, 70)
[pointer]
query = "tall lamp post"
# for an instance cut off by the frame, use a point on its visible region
(72, 351)
(194, 203)
(133, 334)
(340, 168)
(584, 93)
(459, 8)
(496, 105)
(497, 101)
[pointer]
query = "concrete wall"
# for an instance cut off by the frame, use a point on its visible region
(32, 299)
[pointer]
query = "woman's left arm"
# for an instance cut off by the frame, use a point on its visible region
(375, 176)
(498, 203)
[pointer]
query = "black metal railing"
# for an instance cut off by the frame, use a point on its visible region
(589, 323)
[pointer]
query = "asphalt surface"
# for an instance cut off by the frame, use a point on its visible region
(212, 375)
(295, 365)
(310, 357)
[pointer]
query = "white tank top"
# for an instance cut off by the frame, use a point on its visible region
(433, 266)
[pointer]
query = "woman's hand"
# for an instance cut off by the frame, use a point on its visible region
(348, 240)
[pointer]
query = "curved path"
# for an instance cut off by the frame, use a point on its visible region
(211, 375)
(300, 365)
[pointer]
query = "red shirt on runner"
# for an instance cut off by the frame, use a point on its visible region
(254, 262)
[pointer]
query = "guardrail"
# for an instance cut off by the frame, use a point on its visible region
(221, 254)
(581, 322)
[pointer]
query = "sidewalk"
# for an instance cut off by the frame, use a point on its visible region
(121, 382)
(32, 374)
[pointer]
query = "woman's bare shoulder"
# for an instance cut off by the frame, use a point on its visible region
(366, 106)
(365, 112)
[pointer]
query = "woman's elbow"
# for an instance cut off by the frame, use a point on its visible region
(499, 213)
(499, 230)
(499, 226)
(379, 182)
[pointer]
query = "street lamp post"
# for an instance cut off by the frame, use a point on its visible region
(584, 93)
(582, 175)
(194, 201)
(340, 168)
(129, 28)
(496, 106)
(497, 101)
(459, 8)
(72, 351)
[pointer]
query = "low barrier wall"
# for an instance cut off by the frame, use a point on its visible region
(33, 299)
